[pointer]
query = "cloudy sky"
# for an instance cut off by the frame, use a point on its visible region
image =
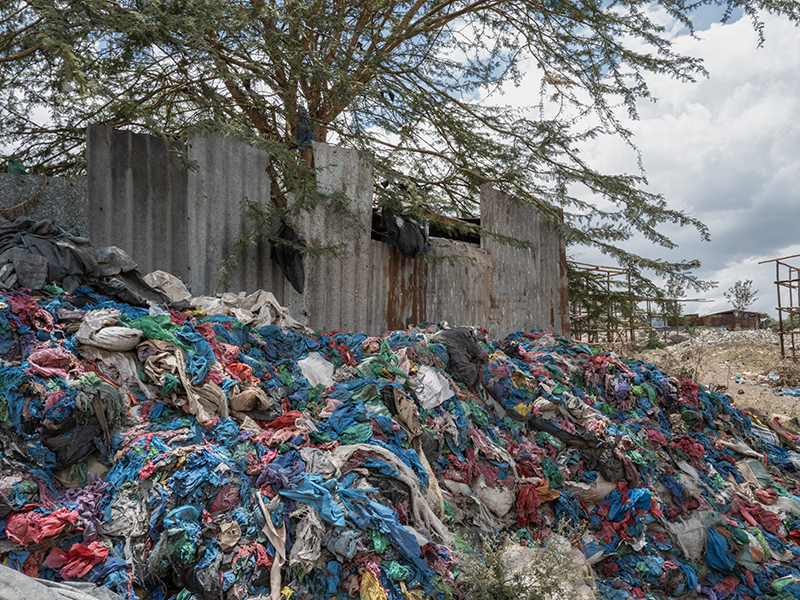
(727, 151)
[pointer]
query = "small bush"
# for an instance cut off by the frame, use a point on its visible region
(501, 569)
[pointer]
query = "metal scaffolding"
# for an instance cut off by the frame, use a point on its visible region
(789, 285)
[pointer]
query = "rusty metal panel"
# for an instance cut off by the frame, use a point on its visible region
(398, 289)
(137, 198)
(527, 284)
(337, 288)
(449, 288)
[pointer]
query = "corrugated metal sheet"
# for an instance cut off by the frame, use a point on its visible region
(166, 217)
(224, 173)
(137, 198)
(337, 288)
(528, 288)
(144, 199)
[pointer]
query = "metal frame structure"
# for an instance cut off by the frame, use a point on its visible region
(581, 322)
(616, 326)
(791, 284)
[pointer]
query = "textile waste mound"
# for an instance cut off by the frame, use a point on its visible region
(156, 452)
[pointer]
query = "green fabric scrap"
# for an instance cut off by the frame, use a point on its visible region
(521, 535)
(91, 379)
(739, 535)
(479, 414)
(379, 408)
(27, 487)
(781, 490)
(319, 437)
(169, 384)
(758, 469)
(157, 327)
(379, 541)
(285, 377)
(366, 394)
(636, 457)
(397, 571)
(717, 480)
(544, 438)
(182, 547)
(781, 583)
(80, 473)
(356, 434)
(759, 535)
(141, 373)
(552, 473)
(53, 289)
(687, 414)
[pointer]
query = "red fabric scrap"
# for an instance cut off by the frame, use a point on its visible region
(767, 496)
(78, 560)
(33, 527)
(54, 362)
(528, 503)
(727, 584)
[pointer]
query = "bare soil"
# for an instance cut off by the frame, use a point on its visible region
(744, 365)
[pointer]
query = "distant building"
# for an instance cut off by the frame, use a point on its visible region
(727, 320)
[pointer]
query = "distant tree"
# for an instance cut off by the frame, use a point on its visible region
(674, 288)
(741, 294)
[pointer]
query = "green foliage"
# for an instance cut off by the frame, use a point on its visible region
(414, 85)
(655, 342)
(741, 294)
(767, 322)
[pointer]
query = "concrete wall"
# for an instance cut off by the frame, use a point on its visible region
(63, 200)
(183, 221)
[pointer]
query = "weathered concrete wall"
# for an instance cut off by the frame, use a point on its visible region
(63, 200)
(184, 221)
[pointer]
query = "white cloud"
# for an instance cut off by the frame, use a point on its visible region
(727, 151)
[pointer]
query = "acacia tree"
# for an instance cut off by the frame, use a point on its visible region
(414, 83)
(741, 294)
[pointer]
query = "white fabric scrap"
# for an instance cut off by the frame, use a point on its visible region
(433, 387)
(317, 369)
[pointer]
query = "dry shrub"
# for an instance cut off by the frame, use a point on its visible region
(501, 569)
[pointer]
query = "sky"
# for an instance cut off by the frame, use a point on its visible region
(726, 150)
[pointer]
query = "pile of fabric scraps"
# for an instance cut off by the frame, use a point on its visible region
(160, 453)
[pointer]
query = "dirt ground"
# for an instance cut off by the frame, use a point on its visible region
(744, 365)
